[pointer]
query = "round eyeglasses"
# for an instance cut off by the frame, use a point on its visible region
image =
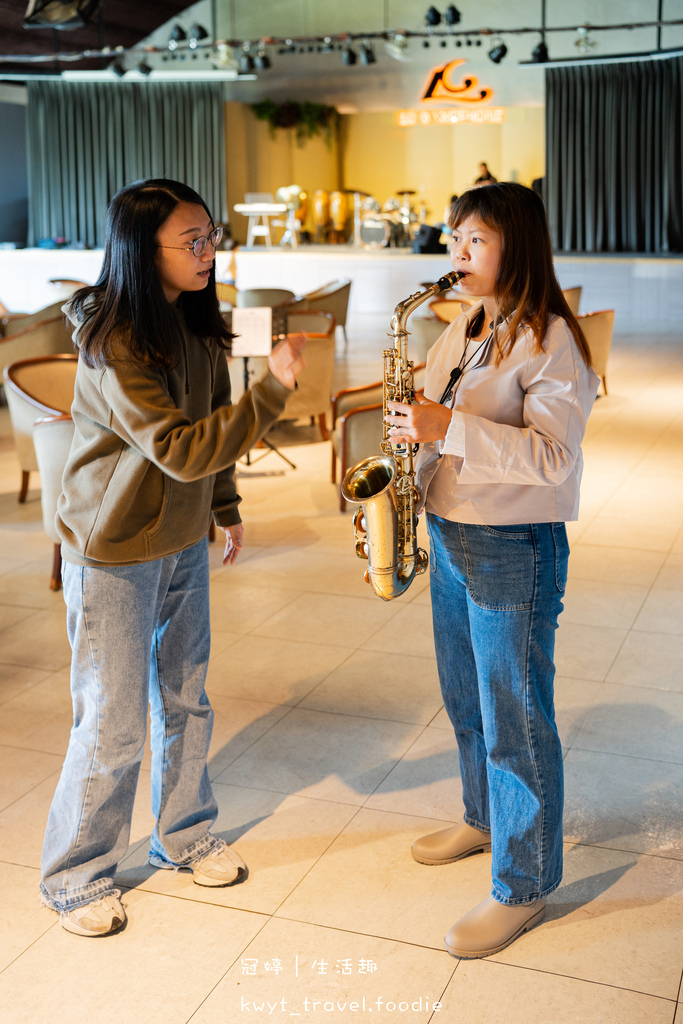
(198, 247)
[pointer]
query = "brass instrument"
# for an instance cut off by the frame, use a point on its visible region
(385, 523)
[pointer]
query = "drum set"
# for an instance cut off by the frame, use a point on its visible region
(343, 216)
(374, 225)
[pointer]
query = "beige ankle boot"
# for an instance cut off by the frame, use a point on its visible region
(451, 844)
(491, 927)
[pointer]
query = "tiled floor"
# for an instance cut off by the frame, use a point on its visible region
(332, 753)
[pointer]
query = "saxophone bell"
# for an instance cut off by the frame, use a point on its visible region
(383, 486)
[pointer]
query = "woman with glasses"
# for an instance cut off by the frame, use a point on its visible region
(152, 461)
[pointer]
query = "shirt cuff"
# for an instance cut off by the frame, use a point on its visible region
(454, 442)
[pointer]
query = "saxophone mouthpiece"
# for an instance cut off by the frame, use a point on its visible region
(448, 280)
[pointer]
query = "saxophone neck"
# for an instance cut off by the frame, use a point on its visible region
(405, 308)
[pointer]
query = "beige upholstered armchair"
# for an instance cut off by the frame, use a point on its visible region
(332, 298)
(424, 331)
(357, 425)
(598, 329)
(313, 394)
(573, 297)
(52, 437)
(25, 336)
(35, 388)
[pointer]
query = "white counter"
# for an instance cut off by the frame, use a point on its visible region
(638, 288)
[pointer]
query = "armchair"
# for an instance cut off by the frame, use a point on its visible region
(43, 386)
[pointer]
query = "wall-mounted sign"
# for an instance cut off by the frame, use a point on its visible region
(451, 115)
(441, 85)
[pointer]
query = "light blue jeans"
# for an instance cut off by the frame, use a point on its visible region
(496, 598)
(139, 635)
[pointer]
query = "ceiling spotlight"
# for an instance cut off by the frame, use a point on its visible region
(262, 60)
(225, 59)
(452, 15)
(246, 61)
(178, 35)
(144, 69)
(59, 13)
(582, 42)
(539, 54)
(432, 17)
(348, 56)
(367, 54)
(498, 51)
(118, 67)
(397, 47)
(197, 34)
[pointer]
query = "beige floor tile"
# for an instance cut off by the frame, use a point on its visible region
(616, 919)
(671, 574)
(374, 684)
(238, 606)
(649, 659)
(625, 803)
(662, 612)
(21, 770)
(11, 615)
(370, 866)
(330, 757)
(238, 723)
(486, 992)
(614, 565)
(315, 568)
(600, 603)
(23, 920)
(39, 718)
(634, 721)
(15, 679)
(169, 956)
(329, 975)
(409, 631)
(441, 720)
(38, 640)
(29, 586)
(646, 535)
(281, 671)
(221, 640)
(574, 698)
(584, 651)
(279, 838)
(22, 825)
(329, 618)
(426, 781)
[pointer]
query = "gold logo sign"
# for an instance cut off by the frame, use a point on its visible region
(441, 85)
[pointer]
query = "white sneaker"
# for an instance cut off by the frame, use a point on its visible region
(220, 866)
(101, 917)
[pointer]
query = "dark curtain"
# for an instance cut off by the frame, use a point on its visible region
(614, 167)
(87, 140)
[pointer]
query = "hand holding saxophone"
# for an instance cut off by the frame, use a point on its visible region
(419, 423)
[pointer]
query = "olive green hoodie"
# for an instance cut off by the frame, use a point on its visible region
(153, 454)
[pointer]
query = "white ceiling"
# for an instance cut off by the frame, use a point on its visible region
(390, 84)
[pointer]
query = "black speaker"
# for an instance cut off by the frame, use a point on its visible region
(427, 240)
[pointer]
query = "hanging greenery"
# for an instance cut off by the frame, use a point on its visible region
(307, 119)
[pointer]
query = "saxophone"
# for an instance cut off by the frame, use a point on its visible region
(383, 486)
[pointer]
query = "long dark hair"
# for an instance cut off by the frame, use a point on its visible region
(527, 289)
(127, 304)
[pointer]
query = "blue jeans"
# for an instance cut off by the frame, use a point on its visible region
(139, 635)
(496, 597)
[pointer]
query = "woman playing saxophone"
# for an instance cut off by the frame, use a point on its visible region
(507, 395)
